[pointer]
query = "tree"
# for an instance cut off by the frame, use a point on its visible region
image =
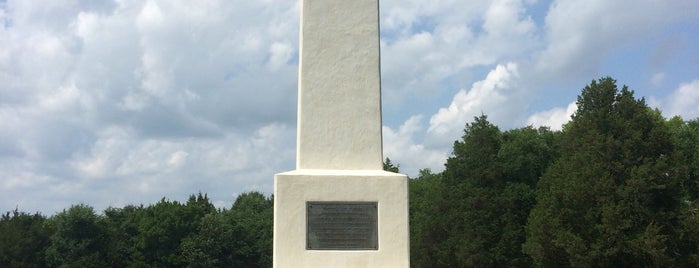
(473, 158)
(685, 159)
(23, 239)
(466, 227)
(78, 240)
(477, 214)
(122, 228)
(212, 244)
(163, 227)
(609, 199)
(238, 237)
(425, 195)
(526, 153)
(686, 155)
(389, 166)
(253, 215)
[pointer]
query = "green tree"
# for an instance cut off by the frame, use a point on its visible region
(424, 198)
(238, 237)
(476, 216)
(253, 215)
(122, 228)
(526, 153)
(78, 240)
(212, 244)
(686, 155)
(23, 239)
(389, 166)
(163, 227)
(467, 223)
(609, 199)
(473, 158)
(685, 160)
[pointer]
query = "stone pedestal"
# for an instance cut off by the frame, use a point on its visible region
(295, 188)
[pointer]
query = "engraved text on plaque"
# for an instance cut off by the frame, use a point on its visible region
(342, 226)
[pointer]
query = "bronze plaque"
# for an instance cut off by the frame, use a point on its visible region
(342, 226)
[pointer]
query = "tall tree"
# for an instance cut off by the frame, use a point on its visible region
(389, 166)
(685, 166)
(213, 244)
(425, 196)
(163, 227)
(608, 200)
(79, 239)
(473, 158)
(23, 239)
(122, 228)
(484, 198)
(239, 237)
(526, 153)
(253, 215)
(467, 225)
(685, 136)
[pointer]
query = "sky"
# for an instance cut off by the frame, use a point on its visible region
(118, 102)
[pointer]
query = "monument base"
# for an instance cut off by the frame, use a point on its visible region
(294, 190)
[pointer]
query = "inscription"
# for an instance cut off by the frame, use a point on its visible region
(341, 226)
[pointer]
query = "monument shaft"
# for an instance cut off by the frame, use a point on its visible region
(339, 208)
(339, 107)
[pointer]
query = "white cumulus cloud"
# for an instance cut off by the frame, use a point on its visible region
(126, 101)
(554, 118)
(683, 101)
(405, 148)
(489, 96)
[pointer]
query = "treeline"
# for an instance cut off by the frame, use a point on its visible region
(166, 234)
(617, 187)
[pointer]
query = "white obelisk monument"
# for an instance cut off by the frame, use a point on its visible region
(339, 208)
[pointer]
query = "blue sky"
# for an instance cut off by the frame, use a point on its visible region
(121, 102)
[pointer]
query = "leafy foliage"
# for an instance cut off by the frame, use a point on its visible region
(78, 240)
(239, 237)
(425, 196)
(166, 234)
(611, 199)
(389, 166)
(23, 239)
(474, 212)
(617, 187)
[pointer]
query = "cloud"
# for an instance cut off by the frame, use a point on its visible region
(403, 147)
(124, 102)
(425, 44)
(554, 118)
(120, 168)
(115, 102)
(280, 55)
(491, 96)
(657, 78)
(579, 35)
(683, 101)
(499, 96)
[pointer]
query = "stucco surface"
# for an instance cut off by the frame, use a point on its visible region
(293, 189)
(339, 147)
(339, 105)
